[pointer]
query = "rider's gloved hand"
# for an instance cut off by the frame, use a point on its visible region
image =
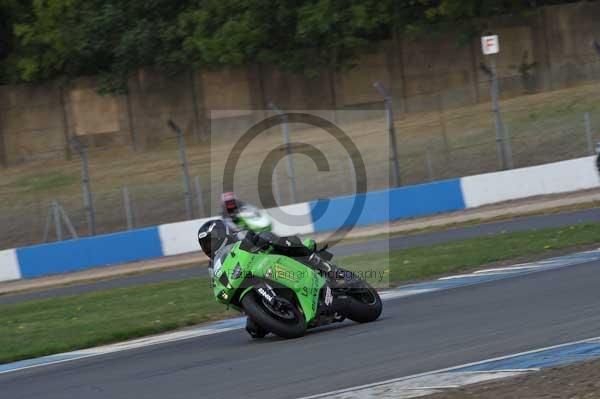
(310, 244)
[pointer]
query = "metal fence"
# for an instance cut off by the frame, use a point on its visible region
(178, 180)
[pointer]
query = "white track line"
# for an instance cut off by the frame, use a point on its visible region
(508, 269)
(394, 380)
(123, 346)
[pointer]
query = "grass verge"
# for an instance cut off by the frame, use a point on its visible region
(423, 262)
(42, 327)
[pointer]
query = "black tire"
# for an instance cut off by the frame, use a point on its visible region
(255, 331)
(365, 305)
(254, 308)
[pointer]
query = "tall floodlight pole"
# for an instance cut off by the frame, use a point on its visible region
(392, 132)
(491, 47)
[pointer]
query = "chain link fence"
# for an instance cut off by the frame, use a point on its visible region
(138, 188)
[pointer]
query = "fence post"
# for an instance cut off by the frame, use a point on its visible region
(443, 125)
(508, 148)
(87, 192)
(588, 133)
(65, 122)
(128, 211)
(184, 168)
(199, 196)
(495, 93)
(132, 133)
(57, 223)
(498, 117)
(275, 184)
(429, 163)
(47, 226)
(56, 212)
(352, 174)
(392, 132)
(288, 152)
(67, 221)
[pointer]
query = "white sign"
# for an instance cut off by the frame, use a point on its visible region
(490, 45)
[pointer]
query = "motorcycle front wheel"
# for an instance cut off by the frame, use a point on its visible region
(286, 323)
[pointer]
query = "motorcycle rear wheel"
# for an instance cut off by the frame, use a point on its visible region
(366, 305)
(293, 327)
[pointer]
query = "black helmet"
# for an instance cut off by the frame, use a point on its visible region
(212, 236)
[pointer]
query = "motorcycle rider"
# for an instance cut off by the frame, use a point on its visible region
(215, 235)
(239, 215)
(230, 209)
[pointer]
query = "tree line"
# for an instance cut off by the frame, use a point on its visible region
(58, 40)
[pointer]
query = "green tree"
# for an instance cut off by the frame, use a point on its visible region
(11, 13)
(466, 17)
(41, 40)
(112, 39)
(308, 36)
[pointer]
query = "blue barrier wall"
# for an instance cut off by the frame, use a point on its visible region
(387, 205)
(327, 215)
(84, 253)
(330, 214)
(426, 199)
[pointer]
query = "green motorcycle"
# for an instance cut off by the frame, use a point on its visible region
(285, 295)
(253, 219)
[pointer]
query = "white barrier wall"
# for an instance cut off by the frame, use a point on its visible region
(292, 219)
(554, 178)
(181, 237)
(9, 265)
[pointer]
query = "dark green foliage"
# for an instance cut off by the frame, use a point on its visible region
(42, 40)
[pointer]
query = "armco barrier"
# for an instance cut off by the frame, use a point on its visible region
(316, 216)
(387, 205)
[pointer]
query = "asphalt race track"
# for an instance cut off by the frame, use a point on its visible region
(379, 245)
(415, 334)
